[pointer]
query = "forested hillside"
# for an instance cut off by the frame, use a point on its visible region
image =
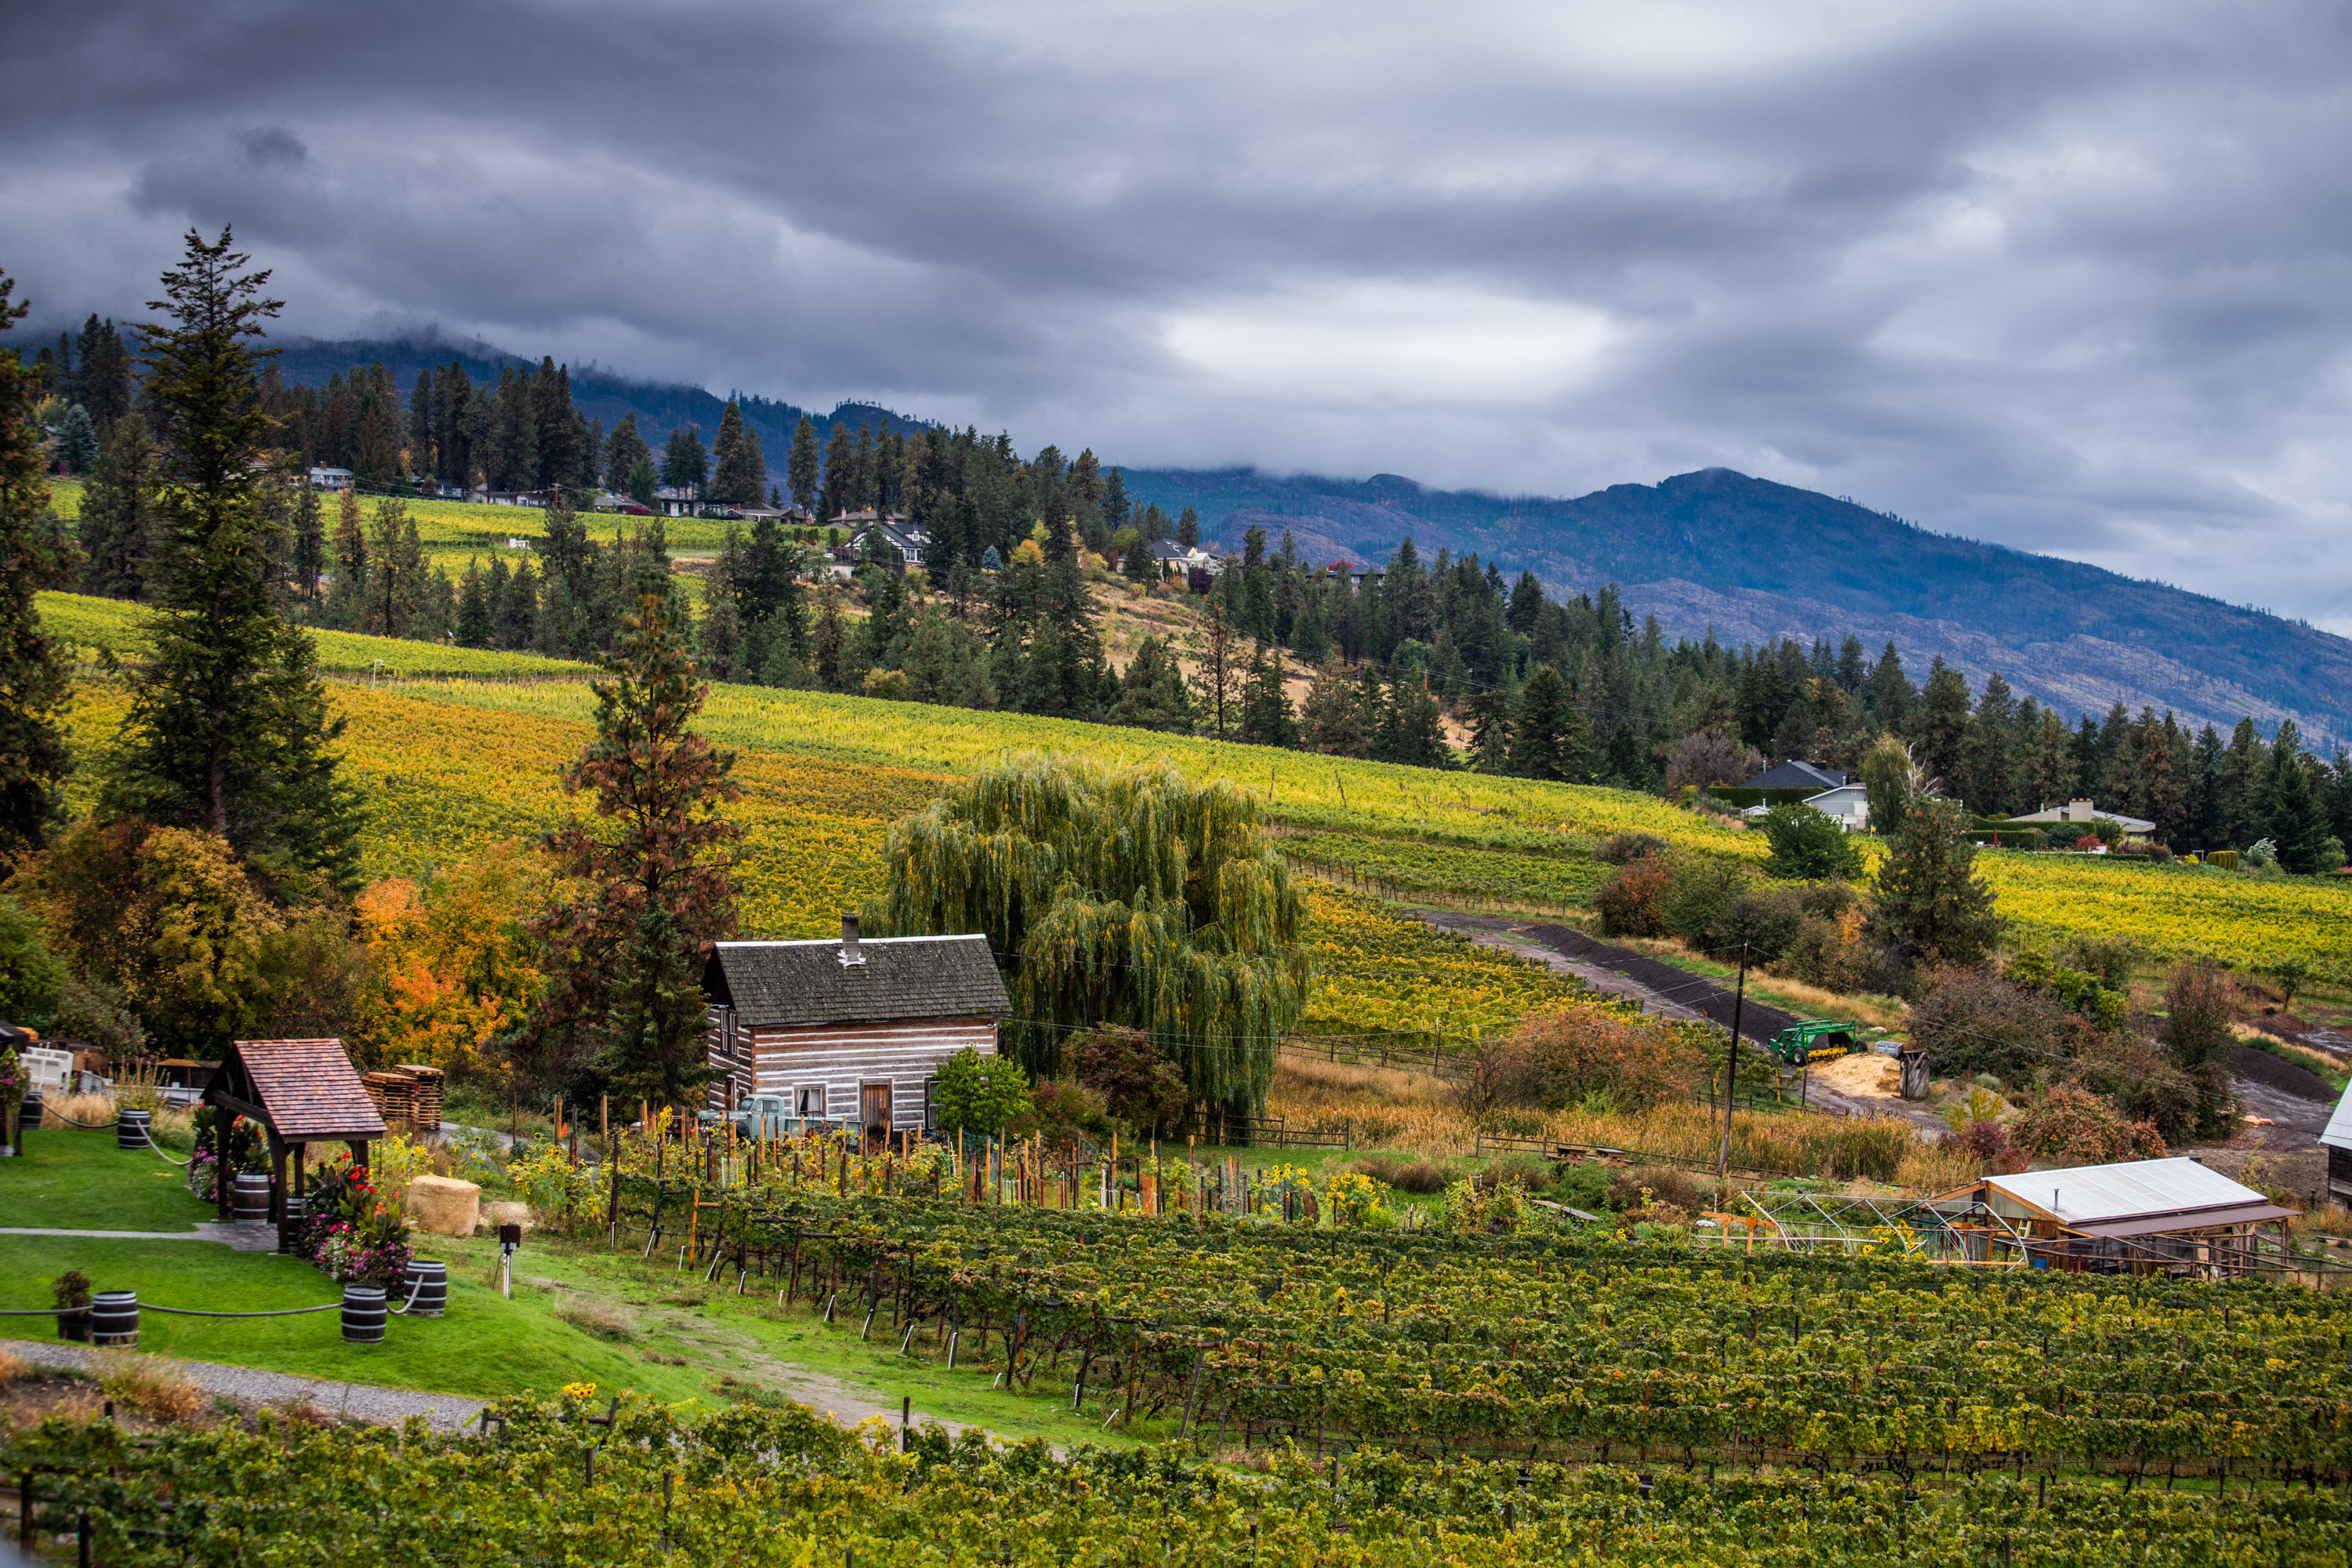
(1754, 561)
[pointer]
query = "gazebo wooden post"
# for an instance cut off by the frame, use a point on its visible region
(277, 1181)
(358, 1155)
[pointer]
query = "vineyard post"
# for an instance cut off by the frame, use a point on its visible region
(1731, 1067)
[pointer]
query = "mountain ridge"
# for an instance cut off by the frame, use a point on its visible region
(1752, 559)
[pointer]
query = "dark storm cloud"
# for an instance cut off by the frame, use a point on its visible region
(2071, 278)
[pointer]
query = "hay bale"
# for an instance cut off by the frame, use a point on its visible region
(443, 1205)
(498, 1214)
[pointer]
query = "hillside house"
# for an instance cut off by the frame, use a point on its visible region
(1849, 804)
(894, 539)
(331, 478)
(2084, 813)
(852, 1032)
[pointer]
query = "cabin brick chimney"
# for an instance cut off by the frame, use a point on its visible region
(849, 953)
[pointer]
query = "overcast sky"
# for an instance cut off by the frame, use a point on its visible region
(2071, 278)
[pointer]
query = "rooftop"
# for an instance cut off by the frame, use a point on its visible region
(781, 984)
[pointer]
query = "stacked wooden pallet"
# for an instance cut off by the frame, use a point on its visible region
(425, 1092)
(391, 1093)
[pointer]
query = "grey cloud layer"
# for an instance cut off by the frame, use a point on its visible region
(2077, 281)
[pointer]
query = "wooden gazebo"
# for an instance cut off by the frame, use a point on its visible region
(301, 1092)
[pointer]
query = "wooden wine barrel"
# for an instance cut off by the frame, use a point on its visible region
(114, 1319)
(364, 1312)
(429, 1278)
(252, 1198)
(130, 1129)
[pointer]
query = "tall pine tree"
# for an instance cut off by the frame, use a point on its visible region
(652, 874)
(33, 684)
(228, 730)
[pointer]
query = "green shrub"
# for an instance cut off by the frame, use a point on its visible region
(1699, 891)
(1808, 846)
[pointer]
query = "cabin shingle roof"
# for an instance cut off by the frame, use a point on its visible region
(781, 984)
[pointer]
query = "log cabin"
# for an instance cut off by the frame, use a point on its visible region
(852, 1032)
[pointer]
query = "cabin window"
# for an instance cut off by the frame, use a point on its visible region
(809, 1101)
(930, 1105)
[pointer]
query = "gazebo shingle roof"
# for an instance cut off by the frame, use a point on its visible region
(308, 1088)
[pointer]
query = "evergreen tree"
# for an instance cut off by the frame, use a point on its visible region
(347, 598)
(1943, 726)
(2243, 770)
(685, 466)
(1491, 732)
(398, 595)
(1151, 691)
(1332, 719)
(308, 559)
(841, 484)
(77, 441)
(117, 513)
(1412, 731)
(422, 405)
(102, 381)
(1267, 718)
(828, 643)
(473, 608)
(1930, 906)
(1548, 739)
(2292, 815)
(1624, 766)
(625, 448)
(1991, 785)
(801, 466)
(230, 730)
(519, 610)
(741, 478)
(34, 684)
(623, 954)
(1188, 528)
(1217, 673)
(1889, 695)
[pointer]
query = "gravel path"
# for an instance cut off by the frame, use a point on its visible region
(356, 1400)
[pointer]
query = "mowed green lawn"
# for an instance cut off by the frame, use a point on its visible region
(70, 1179)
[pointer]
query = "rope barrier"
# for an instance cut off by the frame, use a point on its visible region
(192, 1312)
(149, 1138)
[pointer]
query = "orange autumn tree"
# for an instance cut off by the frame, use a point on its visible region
(455, 966)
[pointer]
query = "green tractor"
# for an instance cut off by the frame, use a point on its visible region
(1815, 1040)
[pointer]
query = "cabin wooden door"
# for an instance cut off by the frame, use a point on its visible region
(874, 1114)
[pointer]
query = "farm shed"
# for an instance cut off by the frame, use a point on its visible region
(849, 1031)
(301, 1092)
(2142, 1217)
(2337, 1140)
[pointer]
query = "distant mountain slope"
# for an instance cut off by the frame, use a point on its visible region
(660, 407)
(1754, 559)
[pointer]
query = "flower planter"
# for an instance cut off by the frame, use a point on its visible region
(74, 1325)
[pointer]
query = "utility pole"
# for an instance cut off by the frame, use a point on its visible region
(1731, 1067)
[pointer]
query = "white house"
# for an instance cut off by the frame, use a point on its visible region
(1849, 804)
(2084, 813)
(331, 478)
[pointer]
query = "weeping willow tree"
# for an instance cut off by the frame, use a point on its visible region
(1138, 898)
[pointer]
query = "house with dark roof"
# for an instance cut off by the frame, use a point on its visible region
(1794, 774)
(849, 1031)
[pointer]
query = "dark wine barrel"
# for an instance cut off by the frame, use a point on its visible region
(130, 1129)
(363, 1314)
(429, 1278)
(252, 1197)
(114, 1318)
